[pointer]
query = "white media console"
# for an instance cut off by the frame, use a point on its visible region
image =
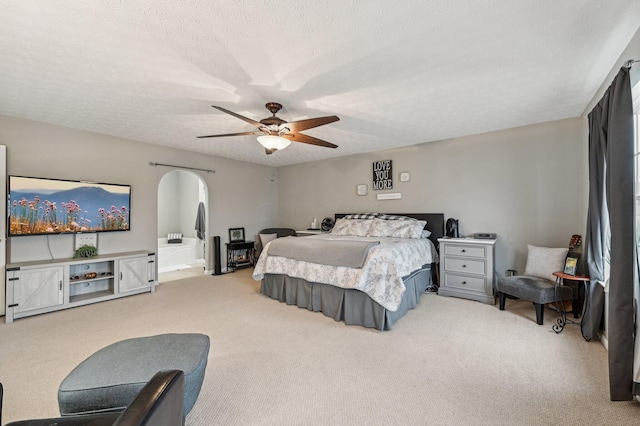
(45, 286)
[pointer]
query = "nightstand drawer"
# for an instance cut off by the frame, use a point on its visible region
(467, 266)
(464, 250)
(466, 283)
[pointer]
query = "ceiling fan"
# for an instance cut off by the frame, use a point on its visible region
(275, 133)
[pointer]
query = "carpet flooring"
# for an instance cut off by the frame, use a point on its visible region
(448, 362)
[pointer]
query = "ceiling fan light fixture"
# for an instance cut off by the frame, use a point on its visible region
(273, 142)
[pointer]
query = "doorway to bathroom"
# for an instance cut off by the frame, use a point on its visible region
(182, 197)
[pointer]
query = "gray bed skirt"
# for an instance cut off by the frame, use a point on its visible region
(349, 305)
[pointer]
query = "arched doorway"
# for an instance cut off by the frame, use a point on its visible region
(180, 193)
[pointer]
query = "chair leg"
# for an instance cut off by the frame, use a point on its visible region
(539, 312)
(502, 298)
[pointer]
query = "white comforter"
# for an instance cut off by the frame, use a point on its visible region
(380, 277)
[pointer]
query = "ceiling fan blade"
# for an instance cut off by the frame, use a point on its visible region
(299, 137)
(232, 134)
(296, 126)
(241, 117)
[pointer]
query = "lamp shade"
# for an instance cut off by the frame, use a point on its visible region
(273, 142)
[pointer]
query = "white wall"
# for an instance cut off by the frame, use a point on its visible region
(178, 199)
(168, 216)
(525, 184)
(38, 149)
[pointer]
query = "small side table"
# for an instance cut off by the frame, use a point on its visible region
(240, 255)
(560, 276)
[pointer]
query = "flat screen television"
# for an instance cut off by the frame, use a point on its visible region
(41, 206)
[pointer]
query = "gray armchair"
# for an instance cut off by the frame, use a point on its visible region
(281, 232)
(267, 234)
(538, 284)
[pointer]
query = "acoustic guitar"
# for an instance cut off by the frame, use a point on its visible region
(575, 242)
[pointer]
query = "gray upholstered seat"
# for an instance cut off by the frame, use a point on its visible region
(112, 377)
(537, 290)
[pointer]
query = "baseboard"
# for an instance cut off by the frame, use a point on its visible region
(604, 340)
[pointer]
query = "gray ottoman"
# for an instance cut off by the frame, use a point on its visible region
(112, 377)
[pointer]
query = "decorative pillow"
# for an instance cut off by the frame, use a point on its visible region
(266, 238)
(174, 238)
(425, 234)
(395, 217)
(356, 227)
(361, 216)
(542, 262)
(397, 228)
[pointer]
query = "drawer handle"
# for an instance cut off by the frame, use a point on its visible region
(463, 251)
(464, 266)
(464, 282)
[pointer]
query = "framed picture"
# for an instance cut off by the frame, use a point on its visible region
(571, 263)
(236, 235)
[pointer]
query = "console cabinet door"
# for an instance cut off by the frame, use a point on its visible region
(36, 288)
(133, 274)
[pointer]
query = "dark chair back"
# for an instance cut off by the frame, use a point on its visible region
(281, 232)
(159, 403)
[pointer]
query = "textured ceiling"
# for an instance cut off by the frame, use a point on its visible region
(396, 72)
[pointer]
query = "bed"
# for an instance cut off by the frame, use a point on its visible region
(396, 269)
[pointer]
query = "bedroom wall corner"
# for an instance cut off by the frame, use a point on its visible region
(525, 184)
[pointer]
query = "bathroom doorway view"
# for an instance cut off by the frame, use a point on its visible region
(181, 247)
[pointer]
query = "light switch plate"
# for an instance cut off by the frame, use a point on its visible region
(405, 177)
(361, 189)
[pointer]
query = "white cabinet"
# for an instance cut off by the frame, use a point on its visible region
(35, 290)
(39, 287)
(466, 268)
(134, 274)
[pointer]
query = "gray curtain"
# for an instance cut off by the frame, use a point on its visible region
(610, 230)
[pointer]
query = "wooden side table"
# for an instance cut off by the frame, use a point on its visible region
(560, 277)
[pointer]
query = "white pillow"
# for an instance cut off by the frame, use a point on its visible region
(356, 227)
(542, 262)
(397, 228)
(266, 238)
(174, 238)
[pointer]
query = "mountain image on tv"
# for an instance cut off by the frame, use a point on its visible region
(82, 208)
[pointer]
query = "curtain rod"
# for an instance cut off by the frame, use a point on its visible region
(151, 163)
(630, 63)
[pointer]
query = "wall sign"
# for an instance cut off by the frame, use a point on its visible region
(382, 176)
(88, 239)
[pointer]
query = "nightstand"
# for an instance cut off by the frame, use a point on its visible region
(466, 268)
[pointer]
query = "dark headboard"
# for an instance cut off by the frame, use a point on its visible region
(435, 223)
